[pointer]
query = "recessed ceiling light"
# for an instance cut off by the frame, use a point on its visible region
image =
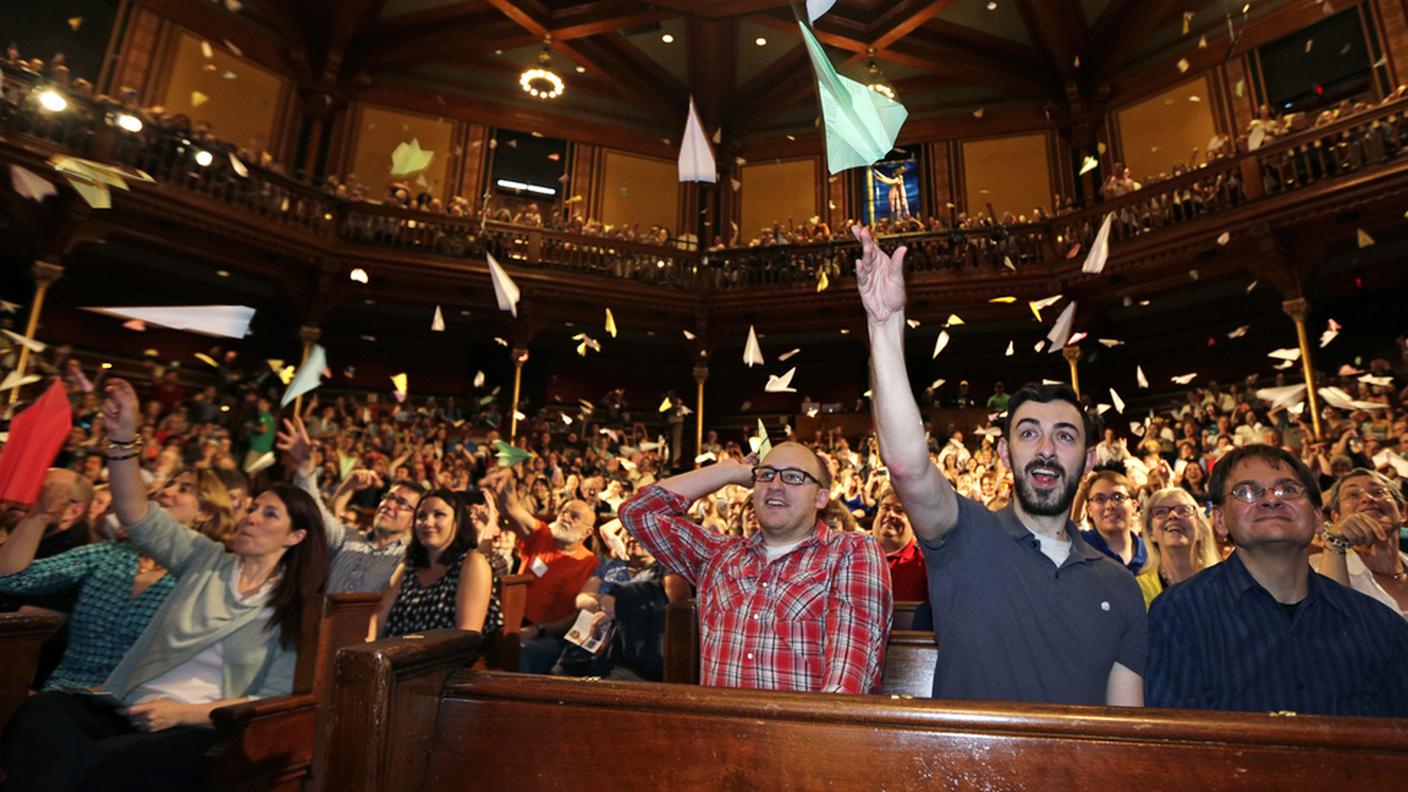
(992, 5)
(581, 69)
(223, 273)
(760, 41)
(668, 39)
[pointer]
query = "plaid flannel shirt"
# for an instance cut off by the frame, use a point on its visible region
(815, 619)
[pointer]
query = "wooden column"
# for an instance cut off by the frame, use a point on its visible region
(1072, 356)
(1298, 309)
(701, 373)
(520, 356)
(45, 273)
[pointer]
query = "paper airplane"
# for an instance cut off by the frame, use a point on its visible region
(752, 353)
(696, 160)
(1010, 351)
(509, 456)
(815, 8)
(505, 290)
(1140, 378)
(8, 307)
(399, 383)
(786, 356)
(1363, 238)
(707, 456)
(953, 321)
(1119, 403)
(761, 444)
(408, 158)
(1224, 238)
(1239, 332)
(30, 184)
(1288, 353)
(1256, 138)
(1336, 397)
(17, 380)
(1382, 382)
(781, 384)
(437, 322)
(1102, 408)
(1184, 379)
(309, 376)
(1004, 299)
(936, 383)
(913, 323)
(1283, 396)
(1328, 336)
(1088, 164)
(226, 321)
(666, 404)
(238, 167)
(610, 323)
(28, 343)
(265, 460)
(206, 359)
(1007, 262)
(822, 282)
(1061, 331)
(1099, 249)
(940, 342)
(1109, 343)
(198, 98)
(688, 335)
(1045, 302)
(860, 124)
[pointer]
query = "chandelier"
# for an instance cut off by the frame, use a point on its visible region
(877, 80)
(542, 82)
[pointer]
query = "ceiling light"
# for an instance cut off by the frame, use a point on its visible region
(358, 274)
(760, 41)
(204, 158)
(223, 273)
(992, 5)
(52, 100)
(542, 82)
(129, 122)
(877, 79)
(581, 69)
(668, 39)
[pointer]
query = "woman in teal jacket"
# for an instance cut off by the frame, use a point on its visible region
(227, 633)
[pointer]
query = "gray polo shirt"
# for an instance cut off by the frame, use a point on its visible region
(357, 564)
(1012, 626)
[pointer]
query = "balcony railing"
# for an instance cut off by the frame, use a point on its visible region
(86, 129)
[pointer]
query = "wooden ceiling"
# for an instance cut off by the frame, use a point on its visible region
(944, 57)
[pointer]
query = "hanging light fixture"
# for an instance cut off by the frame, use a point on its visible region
(542, 82)
(877, 79)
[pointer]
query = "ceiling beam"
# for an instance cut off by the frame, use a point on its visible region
(719, 9)
(604, 16)
(1124, 41)
(713, 65)
(1058, 28)
(903, 18)
(790, 68)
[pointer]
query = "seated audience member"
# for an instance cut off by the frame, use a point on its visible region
(1262, 632)
(1361, 546)
(1113, 512)
(909, 581)
(359, 562)
(560, 563)
(227, 633)
(628, 597)
(118, 588)
(800, 606)
(1180, 541)
(63, 532)
(445, 583)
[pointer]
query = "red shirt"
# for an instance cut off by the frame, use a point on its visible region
(908, 576)
(815, 619)
(552, 594)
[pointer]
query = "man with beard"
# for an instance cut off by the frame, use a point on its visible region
(1262, 632)
(559, 561)
(1025, 609)
(799, 606)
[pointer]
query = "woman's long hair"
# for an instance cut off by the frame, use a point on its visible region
(214, 499)
(1205, 552)
(304, 565)
(466, 538)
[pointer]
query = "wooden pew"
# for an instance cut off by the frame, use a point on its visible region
(501, 649)
(903, 618)
(22, 636)
(407, 716)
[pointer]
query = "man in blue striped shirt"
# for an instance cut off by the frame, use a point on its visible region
(1262, 631)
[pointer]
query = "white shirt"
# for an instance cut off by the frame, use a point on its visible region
(1362, 581)
(778, 551)
(1054, 549)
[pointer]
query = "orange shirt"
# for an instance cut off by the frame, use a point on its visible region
(552, 594)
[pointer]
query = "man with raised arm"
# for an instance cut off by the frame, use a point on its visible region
(1024, 608)
(798, 606)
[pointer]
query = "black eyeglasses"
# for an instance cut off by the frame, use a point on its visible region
(793, 477)
(1162, 512)
(1248, 492)
(1115, 498)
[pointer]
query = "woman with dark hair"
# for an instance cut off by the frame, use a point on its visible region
(445, 582)
(227, 633)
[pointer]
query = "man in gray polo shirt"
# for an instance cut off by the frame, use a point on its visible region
(1024, 609)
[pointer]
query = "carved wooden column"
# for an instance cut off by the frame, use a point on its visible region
(45, 273)
(309, 335)
(701, 373)
(520, 356)
(1072, 356)
(1298, 309)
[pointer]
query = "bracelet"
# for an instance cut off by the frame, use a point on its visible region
(132, 455)
(133, 441)
(1335, 542)
(134, 445)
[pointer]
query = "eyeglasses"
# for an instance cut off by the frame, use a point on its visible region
(794, 477)
(1162, 512)
(397, 501)
(1377, 493)
(1247, 492)
(1116, 498)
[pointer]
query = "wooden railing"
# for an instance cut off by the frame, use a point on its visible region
(169, 155)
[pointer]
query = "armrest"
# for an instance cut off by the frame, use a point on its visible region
(385, 708)
(243, 713)
(262, 743)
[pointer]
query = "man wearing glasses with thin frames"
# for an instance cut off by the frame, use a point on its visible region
(1262, 632)
(797, 606)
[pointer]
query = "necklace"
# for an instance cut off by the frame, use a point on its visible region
(1395, 576)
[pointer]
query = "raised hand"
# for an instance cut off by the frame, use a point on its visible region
(880, 278)
(121, 410)
(297, 448)
(1361, 530)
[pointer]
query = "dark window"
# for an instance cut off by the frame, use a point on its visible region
(536, 163)
(1336, 66)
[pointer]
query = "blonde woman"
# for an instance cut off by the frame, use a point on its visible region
(1179, 539)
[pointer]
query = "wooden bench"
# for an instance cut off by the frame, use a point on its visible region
(903, 618)
(22, 637)
(910, 656)
(408, 716)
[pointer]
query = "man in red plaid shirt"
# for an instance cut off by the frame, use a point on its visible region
(798, 606)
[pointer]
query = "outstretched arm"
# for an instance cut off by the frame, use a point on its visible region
(927, 496)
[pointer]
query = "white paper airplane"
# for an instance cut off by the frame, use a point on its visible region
(226, 321)
(786, 356)
(1287, 354)
(15, 380)
(1061, 331)
(752, 353)
(781, 384)
(696, 160)
(308, 376)
(31, 344)
(1283, 396)
(1100, 249)
(1140, 378)
(505, 290)
(1119, 403)
(1335, 397)
(30, 184)
(437, 322)
(1184, 379)
(940, 342)
(815, 8)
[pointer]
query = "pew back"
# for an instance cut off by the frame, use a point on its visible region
(22, 637)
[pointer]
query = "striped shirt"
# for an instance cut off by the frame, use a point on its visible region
(357, 564)
(106, 619)
(815, 619)
(1220, 641)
